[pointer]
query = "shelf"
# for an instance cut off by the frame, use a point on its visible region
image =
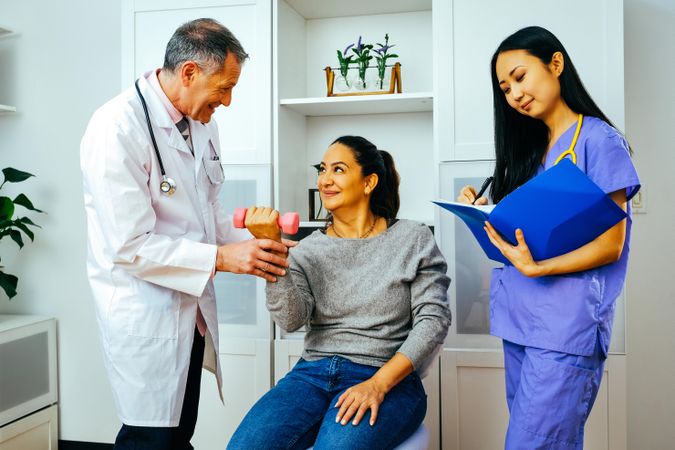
(370, 104)
(7, 109)
(312, 224)
(312, 9)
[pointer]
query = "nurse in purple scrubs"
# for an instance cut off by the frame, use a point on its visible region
(554, 316)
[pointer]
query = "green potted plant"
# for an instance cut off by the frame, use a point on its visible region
(12, 226)
(342, 81)
(382, 58)
(363, 58)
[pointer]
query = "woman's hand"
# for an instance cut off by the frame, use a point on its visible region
(358, 399)
(519, 255)
(263, 223)
(468, 194)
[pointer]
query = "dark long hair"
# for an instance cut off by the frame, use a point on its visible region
(521, 141)
(384, 200)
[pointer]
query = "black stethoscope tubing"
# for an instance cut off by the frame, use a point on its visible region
(167, 185)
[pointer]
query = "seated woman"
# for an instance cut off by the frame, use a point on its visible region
(372, 293)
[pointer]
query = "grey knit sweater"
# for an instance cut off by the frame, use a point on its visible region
(366, 299)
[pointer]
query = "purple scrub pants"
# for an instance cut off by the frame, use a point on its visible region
(549, 395)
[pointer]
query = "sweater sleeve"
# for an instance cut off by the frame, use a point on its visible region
(290, 300)
(430, 310)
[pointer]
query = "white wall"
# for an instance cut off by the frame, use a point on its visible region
(65, 63)
(650, 115)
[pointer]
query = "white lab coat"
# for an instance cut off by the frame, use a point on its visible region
(150, 256)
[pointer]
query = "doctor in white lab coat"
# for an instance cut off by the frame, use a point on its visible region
(152, 256)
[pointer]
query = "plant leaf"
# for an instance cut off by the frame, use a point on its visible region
(16, 237)
(6, 208)
(22, 200)
(24, 228)
(15, 176)
(8, 283)
(27, 221)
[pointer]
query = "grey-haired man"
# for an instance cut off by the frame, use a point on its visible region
(157, 234)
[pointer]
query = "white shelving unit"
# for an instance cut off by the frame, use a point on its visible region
(306, 121)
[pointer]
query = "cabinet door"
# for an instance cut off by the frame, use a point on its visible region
(246, 378)
(35, 431)
(245, 126)
(592, 33)
(475, 415)
(241, 298)
(468, 267)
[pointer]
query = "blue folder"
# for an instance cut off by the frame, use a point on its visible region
(559, 210)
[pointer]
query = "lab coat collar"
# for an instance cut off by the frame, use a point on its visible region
(200, 139)
(160, 116)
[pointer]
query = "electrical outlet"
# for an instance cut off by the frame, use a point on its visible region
(639, 202)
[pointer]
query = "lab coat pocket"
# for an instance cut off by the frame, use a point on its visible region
(216, 176)
(155, 312)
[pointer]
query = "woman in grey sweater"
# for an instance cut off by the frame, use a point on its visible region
(372, 293)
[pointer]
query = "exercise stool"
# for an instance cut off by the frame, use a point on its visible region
(419, 440)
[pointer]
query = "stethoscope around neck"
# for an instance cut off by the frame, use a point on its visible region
(168, 185)
(570, 151)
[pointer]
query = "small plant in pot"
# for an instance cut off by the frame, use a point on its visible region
(12, 226)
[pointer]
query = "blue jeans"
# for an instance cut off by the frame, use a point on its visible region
(299, 411)
(549, 395)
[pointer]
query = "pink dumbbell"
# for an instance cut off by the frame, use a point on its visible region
(289, 222)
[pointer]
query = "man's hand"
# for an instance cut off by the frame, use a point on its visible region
(259, 257)
(263, 223)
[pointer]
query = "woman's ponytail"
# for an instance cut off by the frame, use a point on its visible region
(385, 200)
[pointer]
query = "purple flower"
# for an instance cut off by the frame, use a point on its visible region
(384, 49)
(347, 49)
(359, 47)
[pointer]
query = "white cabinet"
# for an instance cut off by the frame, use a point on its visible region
(473, 404)
(474, 412)
(28, 383)
(37, 431)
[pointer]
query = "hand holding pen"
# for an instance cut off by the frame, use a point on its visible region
(469, 195)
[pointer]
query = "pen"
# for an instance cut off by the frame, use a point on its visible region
(485, 185)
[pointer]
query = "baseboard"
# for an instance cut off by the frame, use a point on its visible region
(79, 445)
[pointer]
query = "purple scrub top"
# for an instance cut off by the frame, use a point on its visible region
(565, 313)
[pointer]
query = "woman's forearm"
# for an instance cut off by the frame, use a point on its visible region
(605, 249)
(393, 372)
